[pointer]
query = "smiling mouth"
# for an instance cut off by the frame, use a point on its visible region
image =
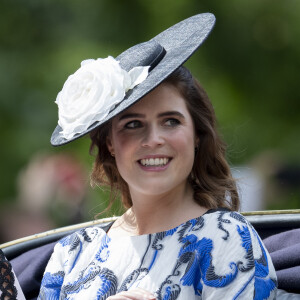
(154, 162)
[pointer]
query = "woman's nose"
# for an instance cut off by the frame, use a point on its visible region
(153, 137)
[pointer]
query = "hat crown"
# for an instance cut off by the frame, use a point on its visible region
(149, 53)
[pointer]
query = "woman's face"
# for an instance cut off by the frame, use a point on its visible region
(153, 142)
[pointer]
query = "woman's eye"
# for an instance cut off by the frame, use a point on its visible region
(172, 122)
(133, 124)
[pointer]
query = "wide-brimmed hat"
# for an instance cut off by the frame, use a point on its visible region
(163, 54)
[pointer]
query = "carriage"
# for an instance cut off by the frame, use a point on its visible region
(280, 231)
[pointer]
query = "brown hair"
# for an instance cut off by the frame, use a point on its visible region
(210, 177)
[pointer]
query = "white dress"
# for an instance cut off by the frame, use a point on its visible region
(216, 256)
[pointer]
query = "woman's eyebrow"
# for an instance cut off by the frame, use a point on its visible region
(131, 115)
(171, 113)
(163, 114)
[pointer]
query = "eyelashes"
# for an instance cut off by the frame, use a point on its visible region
(172, 122)
(133, 124)
(168, 122)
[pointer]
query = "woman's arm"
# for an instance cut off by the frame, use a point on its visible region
(238, 266)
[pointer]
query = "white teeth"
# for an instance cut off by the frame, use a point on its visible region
(154, 161)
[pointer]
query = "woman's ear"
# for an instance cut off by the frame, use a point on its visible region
(109, 145)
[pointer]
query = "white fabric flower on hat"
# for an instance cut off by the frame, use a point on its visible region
(92, 92)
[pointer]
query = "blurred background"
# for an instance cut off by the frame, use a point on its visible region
(249, 67)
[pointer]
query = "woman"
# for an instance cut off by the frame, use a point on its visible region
(180, 237)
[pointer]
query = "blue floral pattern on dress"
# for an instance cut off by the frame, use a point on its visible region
(217, 255)
(51, 285)
(103, 253)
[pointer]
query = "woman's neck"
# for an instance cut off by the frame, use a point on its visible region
(156, 213)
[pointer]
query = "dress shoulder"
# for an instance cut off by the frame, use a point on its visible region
(67, 253)
(238, 264)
